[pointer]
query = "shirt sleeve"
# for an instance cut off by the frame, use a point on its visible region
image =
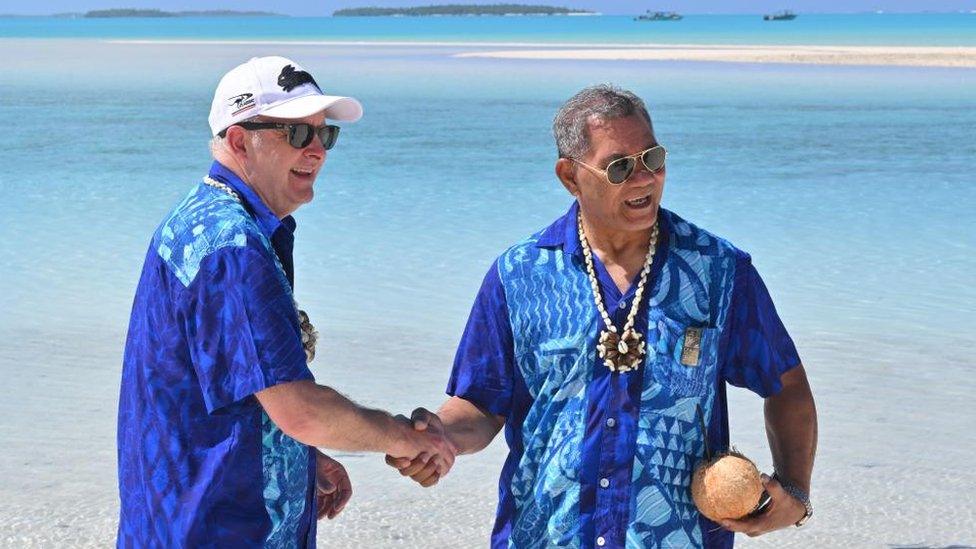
(242, 327)
(758, 348)
(484, 365)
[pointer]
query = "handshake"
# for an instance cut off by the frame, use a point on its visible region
(426, 453)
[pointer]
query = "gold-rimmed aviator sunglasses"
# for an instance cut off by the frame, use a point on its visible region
(620, 170)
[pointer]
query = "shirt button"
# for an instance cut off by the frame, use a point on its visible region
(622, 305)
(604, 482)
(611, 422)
(601, 541)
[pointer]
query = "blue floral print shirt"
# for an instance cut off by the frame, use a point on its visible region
(213, 322)
(601, 459)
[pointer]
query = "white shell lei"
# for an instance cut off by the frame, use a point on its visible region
(625, 351)
(309, 335)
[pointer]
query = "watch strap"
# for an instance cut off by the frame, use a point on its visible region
(798, 494)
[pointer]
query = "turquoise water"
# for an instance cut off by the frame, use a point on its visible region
(851, 181)
(859, 29)
(851, 186)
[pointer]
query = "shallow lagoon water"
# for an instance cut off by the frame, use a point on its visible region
(851, 187)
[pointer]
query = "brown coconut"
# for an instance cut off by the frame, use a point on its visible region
(726, 487)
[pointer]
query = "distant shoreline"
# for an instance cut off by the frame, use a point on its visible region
(908, 56)
(459, 10)
(924, 13)
(122, 13)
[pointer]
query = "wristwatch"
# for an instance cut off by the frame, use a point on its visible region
(799, 495)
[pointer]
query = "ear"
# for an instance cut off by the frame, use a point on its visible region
(566, 172)
(237, 143)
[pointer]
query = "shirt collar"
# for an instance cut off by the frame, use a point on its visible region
(564, 233)
(266, 219)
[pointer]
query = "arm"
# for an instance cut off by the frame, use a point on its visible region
(760, 355)
(483, 372)
(254, 349)
(320, 416)
(791, 426)
(469, 427)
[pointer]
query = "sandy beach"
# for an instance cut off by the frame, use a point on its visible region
(810, 55)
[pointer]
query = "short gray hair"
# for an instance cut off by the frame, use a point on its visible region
(602, 102)
(217, 141)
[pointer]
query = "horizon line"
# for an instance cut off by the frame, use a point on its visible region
(592, 13)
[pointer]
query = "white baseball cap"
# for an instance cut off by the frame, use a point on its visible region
(276, 87)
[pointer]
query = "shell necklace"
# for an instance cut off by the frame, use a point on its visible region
(309, 335)
(621, 352)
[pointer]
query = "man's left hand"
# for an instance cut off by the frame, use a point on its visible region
(782, 511)
(332, 486)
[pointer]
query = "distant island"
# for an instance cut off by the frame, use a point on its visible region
(459, 9)
(125, 12)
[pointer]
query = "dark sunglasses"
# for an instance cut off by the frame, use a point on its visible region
(621, 169)
(299, 135)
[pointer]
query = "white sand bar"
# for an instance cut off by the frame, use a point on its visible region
(911, 56)
(816, 55)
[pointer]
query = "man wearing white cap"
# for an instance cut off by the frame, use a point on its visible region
(219, 415)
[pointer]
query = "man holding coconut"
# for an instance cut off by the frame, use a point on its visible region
(596, 341)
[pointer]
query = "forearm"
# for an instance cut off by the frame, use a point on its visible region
(470, 428)
(338, 423)
(320, 416)
(791, 427)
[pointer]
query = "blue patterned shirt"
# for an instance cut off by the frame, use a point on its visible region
(213, 322)
(601, 459)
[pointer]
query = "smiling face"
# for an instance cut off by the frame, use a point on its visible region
(630, 207)
(280, 174)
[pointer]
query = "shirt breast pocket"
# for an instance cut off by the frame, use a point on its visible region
(686, 356)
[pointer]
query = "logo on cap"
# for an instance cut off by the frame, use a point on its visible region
(290, 79)
(241, 102)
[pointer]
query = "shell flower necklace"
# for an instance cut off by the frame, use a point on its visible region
(309, 335)
(621, 352)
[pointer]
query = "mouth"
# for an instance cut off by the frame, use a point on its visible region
(639, 203)
(303, 173)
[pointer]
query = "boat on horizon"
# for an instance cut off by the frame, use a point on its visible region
(785, 15)
(659, 16)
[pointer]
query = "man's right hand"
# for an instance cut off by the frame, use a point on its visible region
(427, 466)
(427, 453)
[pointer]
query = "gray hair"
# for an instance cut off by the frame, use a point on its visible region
(217, 142)
(602, 102)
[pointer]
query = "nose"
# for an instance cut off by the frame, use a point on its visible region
(643, 175)
(315, 149)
